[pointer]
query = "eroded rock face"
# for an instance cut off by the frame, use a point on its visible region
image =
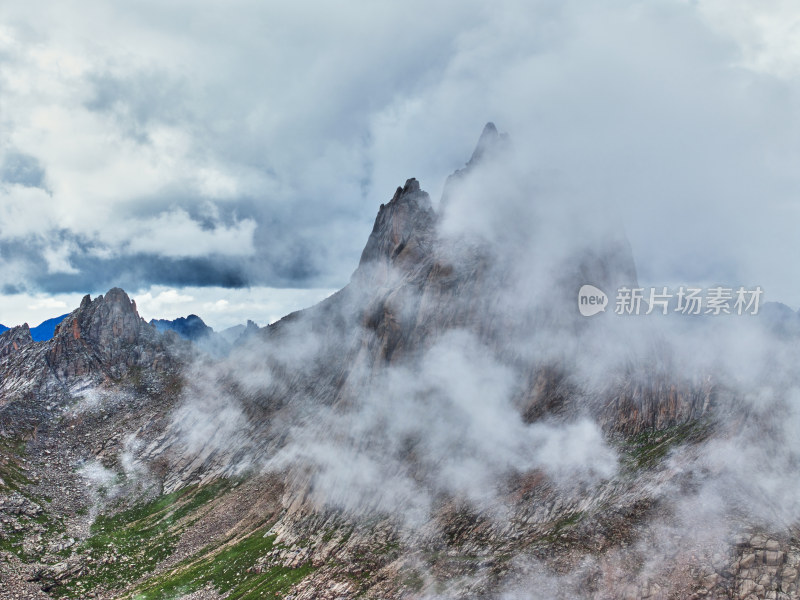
(403, 229)
(105, 334)
(15, 339)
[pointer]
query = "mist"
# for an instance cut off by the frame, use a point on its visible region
(400, 430)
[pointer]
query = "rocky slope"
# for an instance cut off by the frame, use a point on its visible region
(12, 340)
(439, 428)
(101, 343)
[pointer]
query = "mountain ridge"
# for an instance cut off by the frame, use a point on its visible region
(446, 425)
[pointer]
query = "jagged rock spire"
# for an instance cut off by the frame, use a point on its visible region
(106, 334)
(486, 143)
(14, 339)
(490, 143)
(400, 225)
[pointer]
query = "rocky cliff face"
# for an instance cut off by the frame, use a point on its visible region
(105, 335)
(15, 339)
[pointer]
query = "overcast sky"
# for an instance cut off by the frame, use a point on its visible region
(202, 154)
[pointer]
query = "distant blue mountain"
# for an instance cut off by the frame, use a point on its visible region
(44, 330)
(194, 329)
(191, 327)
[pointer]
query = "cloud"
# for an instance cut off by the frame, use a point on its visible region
(764, 33)
(677, 116)
(57, 259)
(49, 303)
(23, 170)
(221, 308)
(176, 234)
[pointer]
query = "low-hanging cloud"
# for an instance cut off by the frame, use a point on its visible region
(446, 429)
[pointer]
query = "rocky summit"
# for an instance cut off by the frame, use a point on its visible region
(447, 425)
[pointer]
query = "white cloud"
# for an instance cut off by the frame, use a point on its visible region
(57, 258)
(176, 234)
(161, 301)
(47, 302)
(218, 307)
(24, 211)
(766, 33)
(680, 115)
(223, 307)
(16, 309)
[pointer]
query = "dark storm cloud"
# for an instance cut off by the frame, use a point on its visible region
(132, 272)
(263, 112)
(11, 289)
(291, 265)
(254, 144)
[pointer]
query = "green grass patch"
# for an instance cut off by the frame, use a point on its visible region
(228, 571)
(11, 541)
(648, 448)
(561, 527)
(11, 472)
(413, 581)
(328, 535)
(124, 547)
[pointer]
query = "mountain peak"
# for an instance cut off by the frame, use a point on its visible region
(191, 327)
(14, 339)
(93, 315)
(411, 186)
(400, 224)
(490, 141)
(106, 332)
(119, 296)
(489, 133)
